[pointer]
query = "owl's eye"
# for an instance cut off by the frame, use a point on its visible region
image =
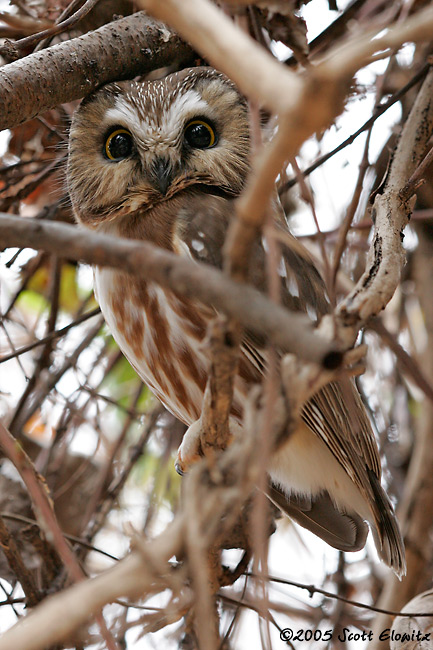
(200, 134)
(118, 145)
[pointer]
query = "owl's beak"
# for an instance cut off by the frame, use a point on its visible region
(162, 174)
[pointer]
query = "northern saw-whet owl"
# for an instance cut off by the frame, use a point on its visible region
(164, 161)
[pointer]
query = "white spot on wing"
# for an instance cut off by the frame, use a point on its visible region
(197, 245)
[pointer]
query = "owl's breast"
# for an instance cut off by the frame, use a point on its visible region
(161, 335)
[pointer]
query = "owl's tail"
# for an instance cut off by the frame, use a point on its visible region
(386, 533)
(346, 531)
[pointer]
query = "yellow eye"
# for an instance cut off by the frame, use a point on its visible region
(118, 145)
(200, 134)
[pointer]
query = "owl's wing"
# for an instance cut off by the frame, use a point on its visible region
(335, 414)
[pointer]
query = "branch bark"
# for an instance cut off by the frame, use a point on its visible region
(391, 213)
(119, 50)
(290, 331)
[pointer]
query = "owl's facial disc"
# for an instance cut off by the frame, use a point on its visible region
(135, 145)
(162, 150)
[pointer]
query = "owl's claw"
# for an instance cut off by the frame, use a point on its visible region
(189, 451)
(178, 468)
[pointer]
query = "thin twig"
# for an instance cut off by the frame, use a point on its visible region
(350, 214)
(408, 363)
(71, 538)
(312, 589)
(43, 507)
(378, 111)
(52, 335)
(17, 565)
(30, 41)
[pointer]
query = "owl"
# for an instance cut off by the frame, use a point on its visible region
(164, 161)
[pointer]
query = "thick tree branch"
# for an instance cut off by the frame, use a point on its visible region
(290, 331)
(391, 213)
(120, 50)
(416, 505)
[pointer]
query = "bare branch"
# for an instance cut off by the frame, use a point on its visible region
(44, 510)
(33, 39)
(131, 577)
(290, 331)
(52, 335)
(378, 111)
(391, 213)
(120, 50)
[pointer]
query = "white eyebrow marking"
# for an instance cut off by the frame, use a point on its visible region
(164, 123)
(124, 114)
(188, 104)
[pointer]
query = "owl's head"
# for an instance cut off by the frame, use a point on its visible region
(134, 145)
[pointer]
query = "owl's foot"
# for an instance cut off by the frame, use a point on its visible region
(190, 450)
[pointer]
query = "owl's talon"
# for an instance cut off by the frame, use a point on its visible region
(178, 468)
(182, 464)
(189, 451)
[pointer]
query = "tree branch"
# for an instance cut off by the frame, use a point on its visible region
(131, 577)
(120, 50)
(33, 39)
(391, 213)
(290, 331)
